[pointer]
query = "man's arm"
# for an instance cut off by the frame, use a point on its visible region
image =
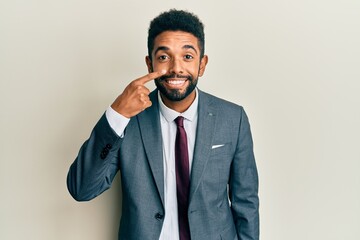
(98, 160)
(243, 185)
(96, 165)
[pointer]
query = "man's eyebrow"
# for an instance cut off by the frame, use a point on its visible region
(164, 48)
(161, 48)
(189, 47)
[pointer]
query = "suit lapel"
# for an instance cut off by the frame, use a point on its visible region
(204, 138)
(150, 129)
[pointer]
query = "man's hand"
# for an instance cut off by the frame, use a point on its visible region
(135, 97)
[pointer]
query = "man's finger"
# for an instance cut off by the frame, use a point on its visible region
(150, 76)
(147, 104)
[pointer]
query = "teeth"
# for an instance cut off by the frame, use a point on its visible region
(177, 82)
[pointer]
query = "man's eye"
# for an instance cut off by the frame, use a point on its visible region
(162, 57)
(188, 57)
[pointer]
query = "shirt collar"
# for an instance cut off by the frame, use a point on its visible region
(170, 114)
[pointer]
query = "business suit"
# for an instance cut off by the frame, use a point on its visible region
(223, 155)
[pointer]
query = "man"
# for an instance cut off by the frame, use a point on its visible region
(186, 157)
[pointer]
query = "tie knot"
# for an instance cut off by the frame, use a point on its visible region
(179, 121)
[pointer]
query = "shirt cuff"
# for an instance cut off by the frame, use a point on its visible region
(116, 121)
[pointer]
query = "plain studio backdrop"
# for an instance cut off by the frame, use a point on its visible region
(293, 65)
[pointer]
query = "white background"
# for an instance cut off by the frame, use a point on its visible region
(293, 65)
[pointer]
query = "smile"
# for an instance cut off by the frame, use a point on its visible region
(176, 82)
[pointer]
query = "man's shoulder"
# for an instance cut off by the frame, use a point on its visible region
(229, 113)
(219, 102)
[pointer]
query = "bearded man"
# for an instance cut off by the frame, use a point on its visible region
(186, 157)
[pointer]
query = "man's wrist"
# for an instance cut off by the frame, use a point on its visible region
(117, 121)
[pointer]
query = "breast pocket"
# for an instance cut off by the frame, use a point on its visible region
(221, 156)
(221, 148)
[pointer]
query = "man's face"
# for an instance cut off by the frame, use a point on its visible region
(179, 54)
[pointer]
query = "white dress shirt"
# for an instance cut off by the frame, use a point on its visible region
(118, 123)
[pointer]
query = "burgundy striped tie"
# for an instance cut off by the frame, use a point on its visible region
(182, 178)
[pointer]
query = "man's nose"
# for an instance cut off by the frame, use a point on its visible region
(176, 67)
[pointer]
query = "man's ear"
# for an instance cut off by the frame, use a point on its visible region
(203, 63)
(149, 64)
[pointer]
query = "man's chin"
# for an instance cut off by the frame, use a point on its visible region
(175, 94)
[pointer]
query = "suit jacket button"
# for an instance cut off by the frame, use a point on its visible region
(104, 153)
(159, 216)
(108, 146)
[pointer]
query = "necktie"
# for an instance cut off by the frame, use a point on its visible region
(182, 178)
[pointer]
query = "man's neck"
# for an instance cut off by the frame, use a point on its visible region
(179, 106)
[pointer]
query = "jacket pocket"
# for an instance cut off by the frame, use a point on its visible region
(220, 149)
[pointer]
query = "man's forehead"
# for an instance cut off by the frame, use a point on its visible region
(176, 36)
(181, 39)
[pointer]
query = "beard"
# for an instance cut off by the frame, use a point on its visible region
(175, 95)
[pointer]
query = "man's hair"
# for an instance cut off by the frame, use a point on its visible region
(176, 20)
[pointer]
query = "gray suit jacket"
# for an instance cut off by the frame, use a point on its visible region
(223, 201)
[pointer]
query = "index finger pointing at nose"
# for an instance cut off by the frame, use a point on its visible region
(151, 76)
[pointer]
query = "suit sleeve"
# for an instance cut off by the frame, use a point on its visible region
(243, 185)
(96, 165)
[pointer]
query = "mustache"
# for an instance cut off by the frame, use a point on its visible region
(165, 77)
